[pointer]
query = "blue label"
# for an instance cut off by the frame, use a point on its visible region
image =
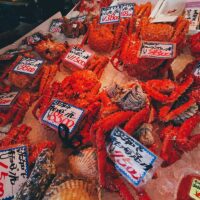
(131, 158)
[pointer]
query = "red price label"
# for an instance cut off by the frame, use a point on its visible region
(26, 68)
(3, 176)
(127, 10)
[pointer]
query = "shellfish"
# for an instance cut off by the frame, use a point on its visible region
(74, 190)
(84, 164)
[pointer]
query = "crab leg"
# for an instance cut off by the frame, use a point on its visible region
(136, 120)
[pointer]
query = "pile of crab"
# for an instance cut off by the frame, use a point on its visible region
(160, 114)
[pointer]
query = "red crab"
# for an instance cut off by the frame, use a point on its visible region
(17, 111)
(148, 68)
(80, 89)
(19, 135)
(50, 49)
(194, 43)
(23, 81)
(114, 114)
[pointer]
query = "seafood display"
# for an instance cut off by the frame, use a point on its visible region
(102, 108)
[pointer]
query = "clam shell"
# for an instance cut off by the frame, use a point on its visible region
(74, 190)
(84, 164)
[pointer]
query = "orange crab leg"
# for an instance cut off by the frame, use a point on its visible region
(136, 120)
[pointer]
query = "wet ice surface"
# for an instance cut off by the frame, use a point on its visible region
(168, 178)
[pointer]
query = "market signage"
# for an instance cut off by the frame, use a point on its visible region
(158, 50)
(60, 112)
(126, 10)
(195, 189)
(14, 171)
(197, 70)
(28, 66)
(34, 39)
(56, 26)
(77, 56)
(110, 15)
(133, 160)
(7, 99)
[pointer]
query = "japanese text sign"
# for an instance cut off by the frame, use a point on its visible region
(34, 39)
(126, 10)
(79, 18)
(197, 70)
(29, 66)
(158, 50)
(14, 171)
(62, 113)
(77, 56)
(195, 189)
(6, 99)
(110, 15)
(130, 157)
(56, 26)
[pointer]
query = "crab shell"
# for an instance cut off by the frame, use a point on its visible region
(74, 190)
(84, 164)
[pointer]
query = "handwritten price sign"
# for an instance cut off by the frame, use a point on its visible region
(126, 10)
(34, 39)
(110, 15)
(62, 113)
(158, 50)
(131, 158)
(6, 99)
(28, 66)
(192, 14)
(78, 57)
(14, 171)
(56, 26)
(197, 70)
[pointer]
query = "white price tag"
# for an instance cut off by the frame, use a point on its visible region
(127, 10)
(28, 66)
(14, 171)
(197, 70)
(110, 15)
(78, 57)
(62, 113)
(158, 50)
(56, 26)
(193, 15)
(6, 99)
(130, 157)
(34, 39)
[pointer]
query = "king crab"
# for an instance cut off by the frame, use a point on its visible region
(148, 68)
(42, 79)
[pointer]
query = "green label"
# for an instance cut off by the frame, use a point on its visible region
(195, 189)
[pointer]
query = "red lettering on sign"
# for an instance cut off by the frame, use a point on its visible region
(26, 68)
(76, 59)
(2, 176)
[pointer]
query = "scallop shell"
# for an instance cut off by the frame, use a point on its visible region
(84, 164)
(74, 190)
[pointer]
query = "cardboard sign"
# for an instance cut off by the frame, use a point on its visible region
(110, 15)
(14, 171)
(126, 10)
(34, 39)
(62, 113)
(78, 57)
(55, 26)
(7, 99)
(195, 189)
(197, 70)
(29, 66)
(130, 157)
(158, 50)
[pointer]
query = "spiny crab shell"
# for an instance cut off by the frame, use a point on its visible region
(129, 96)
